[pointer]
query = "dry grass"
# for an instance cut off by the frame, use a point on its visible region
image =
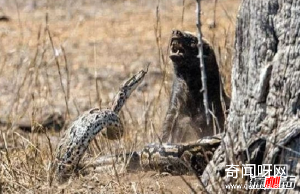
(96, 45)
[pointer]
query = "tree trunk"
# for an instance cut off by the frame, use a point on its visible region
(263, 126)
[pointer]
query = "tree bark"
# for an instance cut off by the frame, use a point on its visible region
(263, 125)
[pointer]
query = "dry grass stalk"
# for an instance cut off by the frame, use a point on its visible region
(56, 54)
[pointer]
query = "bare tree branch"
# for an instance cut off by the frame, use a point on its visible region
(202, 67)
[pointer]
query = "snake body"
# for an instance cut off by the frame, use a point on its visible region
(77, 138)
(180, 158)
(173, 158)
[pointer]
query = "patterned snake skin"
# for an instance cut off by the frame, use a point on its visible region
(77, 138)
(176, 159)
(179, 159)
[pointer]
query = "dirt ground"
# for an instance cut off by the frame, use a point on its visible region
(96, 46)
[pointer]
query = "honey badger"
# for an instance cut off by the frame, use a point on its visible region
(185, 119)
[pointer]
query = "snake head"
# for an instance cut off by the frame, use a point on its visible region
(127, 88)
(131, 84)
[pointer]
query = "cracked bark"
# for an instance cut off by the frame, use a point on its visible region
(263, 125)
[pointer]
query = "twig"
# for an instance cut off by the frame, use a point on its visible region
(20, 23)
(28, 141)
(3, 51)
(182, 14)
(98, 94)
(215, 9)
(113, 161)
(157, 30)
(227, 15)
(202, 67)
(67, 96)
(162, 57)
(188, 184)
(57, 63)
(76, 106)
(8, 158)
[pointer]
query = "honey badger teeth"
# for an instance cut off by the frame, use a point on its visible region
(184, 120)
(182, 45)
(177, 49)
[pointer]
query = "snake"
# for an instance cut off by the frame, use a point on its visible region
(173, 158)
(84, 129)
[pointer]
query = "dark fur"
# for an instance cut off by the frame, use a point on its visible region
(185, 119)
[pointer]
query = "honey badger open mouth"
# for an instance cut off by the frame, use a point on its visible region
(182, 44)
(177, 47)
